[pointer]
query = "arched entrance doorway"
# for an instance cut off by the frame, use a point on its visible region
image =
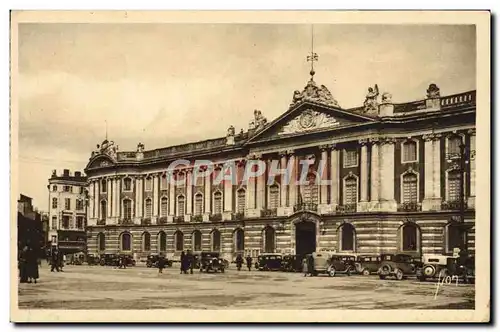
(305, 237)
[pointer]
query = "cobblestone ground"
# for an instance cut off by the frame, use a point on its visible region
(96, 287)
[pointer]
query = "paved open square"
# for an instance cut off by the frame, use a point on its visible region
(96, 287)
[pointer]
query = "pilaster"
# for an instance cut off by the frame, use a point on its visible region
(91, 213)
(109, 197)
(228, 194)
(171, 197)
(386, 200)
(156, 192)
(363, 202)
(208, 197)
(432, 171)
(189, 195)
(334, 177)
(293, 179)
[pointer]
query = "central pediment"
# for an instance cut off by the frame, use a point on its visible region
(308, 120)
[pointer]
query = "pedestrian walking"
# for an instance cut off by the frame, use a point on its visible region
(190, 261)
(249, 262)
(32, 265)
(305, 268)
(54, 261)
(22, 265)
(310, 265)
(183, 262)
(239, 262)
(161, 263)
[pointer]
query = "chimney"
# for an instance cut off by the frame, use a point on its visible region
(66, 172)
(78, 174)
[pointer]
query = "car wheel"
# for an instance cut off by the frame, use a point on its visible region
(429, 271)
(366, 272)
(331, 272)
(399, 274)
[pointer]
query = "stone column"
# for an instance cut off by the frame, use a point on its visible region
(323, 206)
(156, 192)
(261, 187)
(283, 185)
(334, 177)
(140, 213)
(171, 196)
(437, 168)
(114, 195)
(363, 202)
(387, 201)
(109, 196)
(471, 200)
(208, 197)
(118, 195)
(91, 212)
(189, 194)
(228, 193)
(137, 187)
(97, 206)
(250, 203)
(293, 180)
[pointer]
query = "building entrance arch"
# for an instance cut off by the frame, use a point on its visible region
(305, 237)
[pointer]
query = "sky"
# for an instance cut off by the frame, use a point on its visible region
(168, 84)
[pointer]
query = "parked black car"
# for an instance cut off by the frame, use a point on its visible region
(367, 264)
(152, 261)
(269, 262)
(108, 260)
(211, 261)
(398, 265)
(292, 263)
(92, 259)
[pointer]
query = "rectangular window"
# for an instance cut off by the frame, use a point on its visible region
(410, 188)
(65, 222)
(67, 203)
(79, 222)
(164, 207)
(81, 190)
(149, 208)
(54, 222)
(127, 209)
(351, 191)
(350, 158)
(241, 201)
(454, 145)
(409, 152)
(180, 206)
(218, 203)
(198, 204)
(274, 196)
(79, 204)
(454, 186)
(54, 203)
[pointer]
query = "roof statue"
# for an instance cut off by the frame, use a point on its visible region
(108, 148)
(433, 91)
(371, 103)
(386, 98)
(313, 92)
(259, 121)
(230, 131)
(140, 147)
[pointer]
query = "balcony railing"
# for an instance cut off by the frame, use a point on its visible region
(238, 216)
(269, 212)
(452, 205)
(101, 222)
(179, 219)
(197, 218)
(146, 221)
(305, 207)
(409, 207)
(162, 220)
(215, 217)
(125, 221)
(346, 208)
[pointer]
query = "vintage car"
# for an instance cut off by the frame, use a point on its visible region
(108, 260)
(342, 264)
(269, 262)
(92, 259)
(211, 261)
(152, 261)
(441, 266)
(292, 263)
(398, 265)
(366, 264)
(129, 260)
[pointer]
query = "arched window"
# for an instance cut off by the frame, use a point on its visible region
(162, 241)
(146, 241)
(455, 237)
(274, 196)
(104, 188)
(269, 239)
(125, 242)
(164, 207)
(127, 184)
(179, 241)
(410, 191)
(149, 208)
(127, 209)
(198, 204)
(101, 242)
(310, 189)
(215, 239)
(350, 190)
(347, 238)
(180, 205)
(196, 240)
(241, 201)
(103, 209)
(239, 240)
(409, 237)
(218, 203)
(454, 186)
(409, 151)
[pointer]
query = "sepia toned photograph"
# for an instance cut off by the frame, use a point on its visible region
(293, 166)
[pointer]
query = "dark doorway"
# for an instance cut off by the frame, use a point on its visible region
(305, 237)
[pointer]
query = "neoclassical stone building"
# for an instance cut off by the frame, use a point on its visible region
(397, 175)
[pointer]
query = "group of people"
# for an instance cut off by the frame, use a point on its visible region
(308, 265)
(57, 259)
(187, 262)
(239, 262)
(28, 262)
